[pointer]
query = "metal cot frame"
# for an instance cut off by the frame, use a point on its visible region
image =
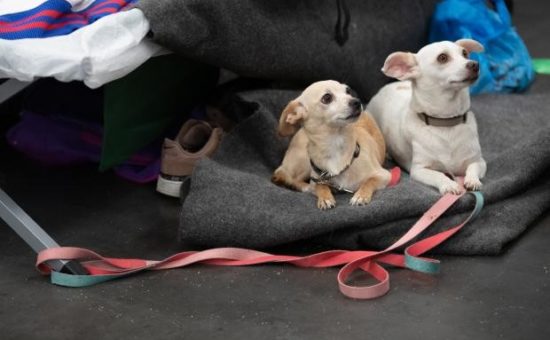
(18, 219)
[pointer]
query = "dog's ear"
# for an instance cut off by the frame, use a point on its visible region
(470, 45)
(401, 65)
(291, 118)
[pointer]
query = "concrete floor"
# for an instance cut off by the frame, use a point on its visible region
(507, 296)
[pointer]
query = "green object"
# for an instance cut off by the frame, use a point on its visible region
(542, 66)
(140, 107)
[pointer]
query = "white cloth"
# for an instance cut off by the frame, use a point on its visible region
(106, 50)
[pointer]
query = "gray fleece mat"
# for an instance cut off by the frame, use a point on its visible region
(233, 203)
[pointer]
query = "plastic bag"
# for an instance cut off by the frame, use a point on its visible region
(505, 66)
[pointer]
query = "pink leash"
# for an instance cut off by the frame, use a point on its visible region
(103, 269)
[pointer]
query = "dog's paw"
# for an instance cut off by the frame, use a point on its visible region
(326, 203)
(360, 199)
(472, 183)
(450, 187)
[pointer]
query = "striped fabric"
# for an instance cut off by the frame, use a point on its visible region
(56, 17)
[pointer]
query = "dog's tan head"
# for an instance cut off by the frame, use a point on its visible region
(324, 103)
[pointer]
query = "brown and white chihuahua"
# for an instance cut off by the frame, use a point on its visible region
(335, 144)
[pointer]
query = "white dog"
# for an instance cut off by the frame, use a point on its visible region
(426, 118)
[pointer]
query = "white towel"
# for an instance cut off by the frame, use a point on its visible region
(106, 50)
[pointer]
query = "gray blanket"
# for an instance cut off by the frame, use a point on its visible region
(292, 40)
(233, 203)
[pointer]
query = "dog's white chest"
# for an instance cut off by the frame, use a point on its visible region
(335, 157)
(446, 149)
(343, 166)
(351, 179)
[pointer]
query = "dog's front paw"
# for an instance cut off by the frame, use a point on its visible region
(360, 199)
(326, 203)
(450, 187)
(472, 183)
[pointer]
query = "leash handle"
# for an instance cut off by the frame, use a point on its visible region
(412, 259)
(104, 269)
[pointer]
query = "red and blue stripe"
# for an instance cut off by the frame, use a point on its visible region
(54, 18)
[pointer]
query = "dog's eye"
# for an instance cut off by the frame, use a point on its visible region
(326, 99)
(348, 90)
(442, 58)
(465, 53)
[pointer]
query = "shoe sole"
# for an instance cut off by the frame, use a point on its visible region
(169, 187)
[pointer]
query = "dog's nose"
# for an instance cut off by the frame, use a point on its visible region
(355, 104)
(473, 66)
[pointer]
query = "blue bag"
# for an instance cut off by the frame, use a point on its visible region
(505, 66)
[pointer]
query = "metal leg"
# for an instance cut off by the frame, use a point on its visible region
(20, 221)
(31, 233)
(10, 88)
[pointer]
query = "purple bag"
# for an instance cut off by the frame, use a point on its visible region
(61, 141)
